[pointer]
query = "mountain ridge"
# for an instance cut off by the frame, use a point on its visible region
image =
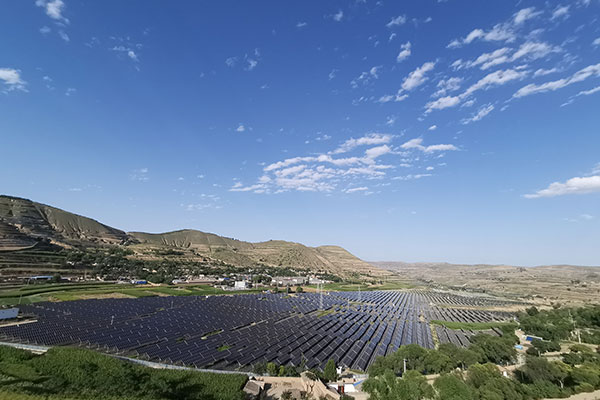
(24, 223)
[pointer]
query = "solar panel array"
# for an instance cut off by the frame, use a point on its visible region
(236, 332)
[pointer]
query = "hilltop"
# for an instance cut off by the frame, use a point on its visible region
(26, 225)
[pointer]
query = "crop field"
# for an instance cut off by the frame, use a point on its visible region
(237, 332)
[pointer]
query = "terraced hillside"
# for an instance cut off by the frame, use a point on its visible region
(27, 225)
(26, 222)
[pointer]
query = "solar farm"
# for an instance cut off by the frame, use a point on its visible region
(237, 332)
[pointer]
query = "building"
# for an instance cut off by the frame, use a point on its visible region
(289, 280)
(241, 285)
(8, 313)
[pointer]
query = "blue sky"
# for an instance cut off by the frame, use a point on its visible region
(460, 131)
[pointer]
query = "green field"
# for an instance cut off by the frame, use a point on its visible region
(77, 374)
(353, 287)
(66, 292)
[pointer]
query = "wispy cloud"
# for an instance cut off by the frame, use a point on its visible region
(417, 144)
(493, 79)
(560, 12)
(140, 174)
(338, 16)
(482, 112)
(367, 140)
(396, 21)
(579, 76)
(404, 52)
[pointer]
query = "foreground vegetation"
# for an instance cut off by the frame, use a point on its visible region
(68, 373)
(473, 374)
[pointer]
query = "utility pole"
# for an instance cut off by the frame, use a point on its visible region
(320, 285)
(112, 318)
(404, 365)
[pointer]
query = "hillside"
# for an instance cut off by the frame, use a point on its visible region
(278, 253)
(27, 226)
(24, 223)
(559, 283)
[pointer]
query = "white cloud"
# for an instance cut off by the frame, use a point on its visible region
(63, 35)
(231, 61)
(543, 72)
(579, 76)
(396, 21)
(534, 50)
(447, 85)
(525, 14)
(367, 140)
(332, 74)
(483, 111)
(500, 32)
(417, 144)
(404, 52)
(366, 77)
(140, 174)
(128, 51)
(409, 178)
(417, 77)
(44, 30)
(588, 92)
(596, 42)
(301, 24)
(356, 189)
(495, 78)
(338, 16)
(441, 103)
(240, 128)
(432, 127)
(392, 97)
(54, 9)
(12, 79)
(251, 64)
(576, 185)
(390, 120)
(560, 12)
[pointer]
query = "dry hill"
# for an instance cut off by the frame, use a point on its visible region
(25, 224)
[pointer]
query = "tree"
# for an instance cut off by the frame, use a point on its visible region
(330, 373)
(452, 387)
(412, 386)
(299, 289)
(461, 357)
(272, 369)
(538, 369)
(498, 350)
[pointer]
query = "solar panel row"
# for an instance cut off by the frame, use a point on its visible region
(235, 332)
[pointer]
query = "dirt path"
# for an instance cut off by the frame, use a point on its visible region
(584, 396)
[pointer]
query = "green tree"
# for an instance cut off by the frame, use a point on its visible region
(272, 369)
(330, 373)
(452, 387)
(412, 386)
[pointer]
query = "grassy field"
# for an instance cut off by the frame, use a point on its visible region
(33, 293)
(66, 292)
(352, 287)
